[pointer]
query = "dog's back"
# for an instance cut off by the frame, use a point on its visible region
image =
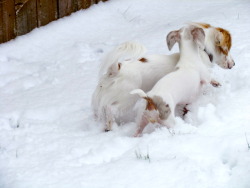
(182, 85)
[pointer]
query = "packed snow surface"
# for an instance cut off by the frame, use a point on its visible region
(48, 135)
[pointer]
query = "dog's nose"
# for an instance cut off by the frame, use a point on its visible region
(230, 64)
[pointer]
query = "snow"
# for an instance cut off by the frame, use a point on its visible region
(48, 136)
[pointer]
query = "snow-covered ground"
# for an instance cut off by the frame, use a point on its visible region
(48, 136)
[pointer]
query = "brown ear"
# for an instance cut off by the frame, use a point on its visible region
(172, 38)
(223, 38)
(199, 37)
(218, 38)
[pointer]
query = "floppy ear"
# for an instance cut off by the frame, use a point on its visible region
(199, 37)
(218, 38)
(172, 38)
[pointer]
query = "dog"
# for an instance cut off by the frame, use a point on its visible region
(181, 86)
(128, 67)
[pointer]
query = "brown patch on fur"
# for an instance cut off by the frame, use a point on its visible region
(222, 50)
(225, 45)
(204, 25)
(215, 83)
(163, 108)
(119, 66)
(143, 60)
(150, 104)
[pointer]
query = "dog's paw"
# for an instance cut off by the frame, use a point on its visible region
(137, 134)
(215, 83)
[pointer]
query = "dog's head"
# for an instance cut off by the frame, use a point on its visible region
(218, 42)
(220, 48)
(218, 45)
(188, 34)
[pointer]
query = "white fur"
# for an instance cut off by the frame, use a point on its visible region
(125, 51)
(138, 92)
(114, 93)
(179, 87)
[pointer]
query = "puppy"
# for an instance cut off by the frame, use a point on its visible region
(179, 87)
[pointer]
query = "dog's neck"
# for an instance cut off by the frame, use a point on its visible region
(210, 56)
(210, 40)
(205, 58)
(189, 52)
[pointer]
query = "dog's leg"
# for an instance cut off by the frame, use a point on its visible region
(169, 123)
(109, 119)
(143, 123)
(215, 83)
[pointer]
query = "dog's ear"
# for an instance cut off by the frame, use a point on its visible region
(219, 41)
(199, 37)
(172, 38)
(114, 69)
(218, 38)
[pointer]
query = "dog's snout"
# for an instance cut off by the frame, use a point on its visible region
(230, 64)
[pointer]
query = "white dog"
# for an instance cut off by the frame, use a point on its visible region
(127, 68)
(180, 86)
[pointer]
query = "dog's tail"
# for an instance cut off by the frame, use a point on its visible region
(150, 102)
(154, 103)
(139, 92)
(127, 50)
